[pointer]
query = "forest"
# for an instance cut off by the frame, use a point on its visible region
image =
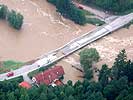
(115, 6)
(114, 83)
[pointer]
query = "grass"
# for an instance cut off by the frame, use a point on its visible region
(10, 65)
(95, 21)
(87, 13)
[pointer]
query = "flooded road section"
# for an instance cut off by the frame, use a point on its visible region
(43, 30)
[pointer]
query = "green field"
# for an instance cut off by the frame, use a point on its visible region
(10, 65)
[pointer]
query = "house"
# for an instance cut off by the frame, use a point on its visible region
(49, 76)
(25, 84)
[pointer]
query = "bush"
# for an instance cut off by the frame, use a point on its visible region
(3, 11)
(15, 19)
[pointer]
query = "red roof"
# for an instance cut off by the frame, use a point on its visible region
(58, 82)
(58, 70)
(49, 75)
(25, 84)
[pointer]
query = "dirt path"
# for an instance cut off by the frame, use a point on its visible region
(43, 30)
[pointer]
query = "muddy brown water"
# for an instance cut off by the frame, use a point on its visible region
(109, 46)
(43, 30)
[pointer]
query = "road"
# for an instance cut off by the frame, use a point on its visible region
(72, 46)
(104, 16)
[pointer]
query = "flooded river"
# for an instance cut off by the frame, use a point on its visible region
(43, 30)
(109, 46)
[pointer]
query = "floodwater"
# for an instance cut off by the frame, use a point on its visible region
(70, 72)
(109, 46)
(43, 30)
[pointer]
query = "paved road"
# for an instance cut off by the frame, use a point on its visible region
(106, 17)
(72, 46)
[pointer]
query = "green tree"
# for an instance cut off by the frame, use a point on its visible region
(104, 75)
(43, 96)
(69, 10)
(119, 65)
(11, 96)
(69, 91)
(69, 83)
(3, 11)
(15, 19)
(71, 98)
(88, 56)
(122, 94)
(96, 96)
(128, 71)
(24, 97)
(115, 87)
(88, 74)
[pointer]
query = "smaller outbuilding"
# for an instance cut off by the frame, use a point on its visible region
(25, 84)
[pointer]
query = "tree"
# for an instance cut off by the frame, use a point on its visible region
(119, 64)
(71, 98)
(78, 16)
(69, 83)
(109, 92)
(115, 87)
(11, 96)
(129, 97)
(122, 94)
(96, 96)
(88, 74)
(69, 10)
(24, 97)
(94, 87)
(88, 56)
(128, 70)
(15, 19)
(3, 11)
(104, 75)
(69, 91)
(43, 96)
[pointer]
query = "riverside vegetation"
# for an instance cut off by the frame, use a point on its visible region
(70, 11)
(15, 19)
(115, 6)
